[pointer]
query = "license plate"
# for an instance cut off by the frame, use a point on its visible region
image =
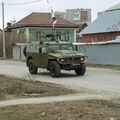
(77, 64)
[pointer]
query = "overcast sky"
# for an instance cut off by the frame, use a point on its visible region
(19, 11)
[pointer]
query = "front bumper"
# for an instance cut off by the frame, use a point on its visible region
(71, 66)
(72, 60)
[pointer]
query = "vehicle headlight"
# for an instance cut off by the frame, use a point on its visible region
(61, 60)
(82, 58)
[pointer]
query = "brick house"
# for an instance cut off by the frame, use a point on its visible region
(106, 27)
(1, 42)
(35, 27)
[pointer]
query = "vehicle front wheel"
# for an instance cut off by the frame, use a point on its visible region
(81, 70)
(54, 69)
(32, 68)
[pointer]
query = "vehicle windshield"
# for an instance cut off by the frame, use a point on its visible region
(54, 47)
(67, 47)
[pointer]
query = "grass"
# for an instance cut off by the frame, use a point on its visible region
(77, 110)
(11, 88)
(116, 67)
(1, 58)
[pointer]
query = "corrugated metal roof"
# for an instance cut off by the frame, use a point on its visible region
(42, 20)
(107, 22)
(115, 7)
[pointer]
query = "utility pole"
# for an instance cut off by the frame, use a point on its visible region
(3, 22)
(48, 5)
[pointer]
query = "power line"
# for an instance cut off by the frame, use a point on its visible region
(24, 3)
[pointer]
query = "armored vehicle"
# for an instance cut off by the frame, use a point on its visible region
(54, 56)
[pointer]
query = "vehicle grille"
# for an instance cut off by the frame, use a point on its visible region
(72, 60)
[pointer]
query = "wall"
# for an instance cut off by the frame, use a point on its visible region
(33, 32)
(99, 37)
(104, 53)
(14, 36)
(18, 52)
(78, 16)
(21, 35)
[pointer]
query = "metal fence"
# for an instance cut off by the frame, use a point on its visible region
(101, 53)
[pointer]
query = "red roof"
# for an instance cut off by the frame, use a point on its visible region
(42, 20)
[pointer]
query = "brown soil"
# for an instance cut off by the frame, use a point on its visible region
(78, 110)
(11, 88)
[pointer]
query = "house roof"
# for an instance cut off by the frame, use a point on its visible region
(109, 21)
(115, 7)
(37, 19)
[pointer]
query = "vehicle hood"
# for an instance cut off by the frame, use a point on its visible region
(66, 53)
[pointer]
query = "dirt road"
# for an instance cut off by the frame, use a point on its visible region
(97, 83)
(95, 79)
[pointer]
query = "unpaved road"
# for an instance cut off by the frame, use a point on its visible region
(97, 83)
(98, 80)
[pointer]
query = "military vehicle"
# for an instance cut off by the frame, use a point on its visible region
(54, 56)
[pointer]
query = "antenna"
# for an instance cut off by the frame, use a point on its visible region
(14, 20)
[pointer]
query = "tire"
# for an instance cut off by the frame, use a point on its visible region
(32, 68)
(54, 69)
(24, 51)
(81, 70)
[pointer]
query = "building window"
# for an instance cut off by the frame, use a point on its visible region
(58, 34)
(21, 36)
(66, 36)
(63, 36)
(84, 16)
(39, 36)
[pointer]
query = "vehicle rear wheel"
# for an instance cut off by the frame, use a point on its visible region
(81, 70)
(24, 50)
(54, 69)
(32, 68)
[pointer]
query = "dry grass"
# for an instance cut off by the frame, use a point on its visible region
(116, 67)
(15, 88)
(79, 110)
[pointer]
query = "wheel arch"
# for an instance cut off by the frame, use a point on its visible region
(49, 62)
(29, 58)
